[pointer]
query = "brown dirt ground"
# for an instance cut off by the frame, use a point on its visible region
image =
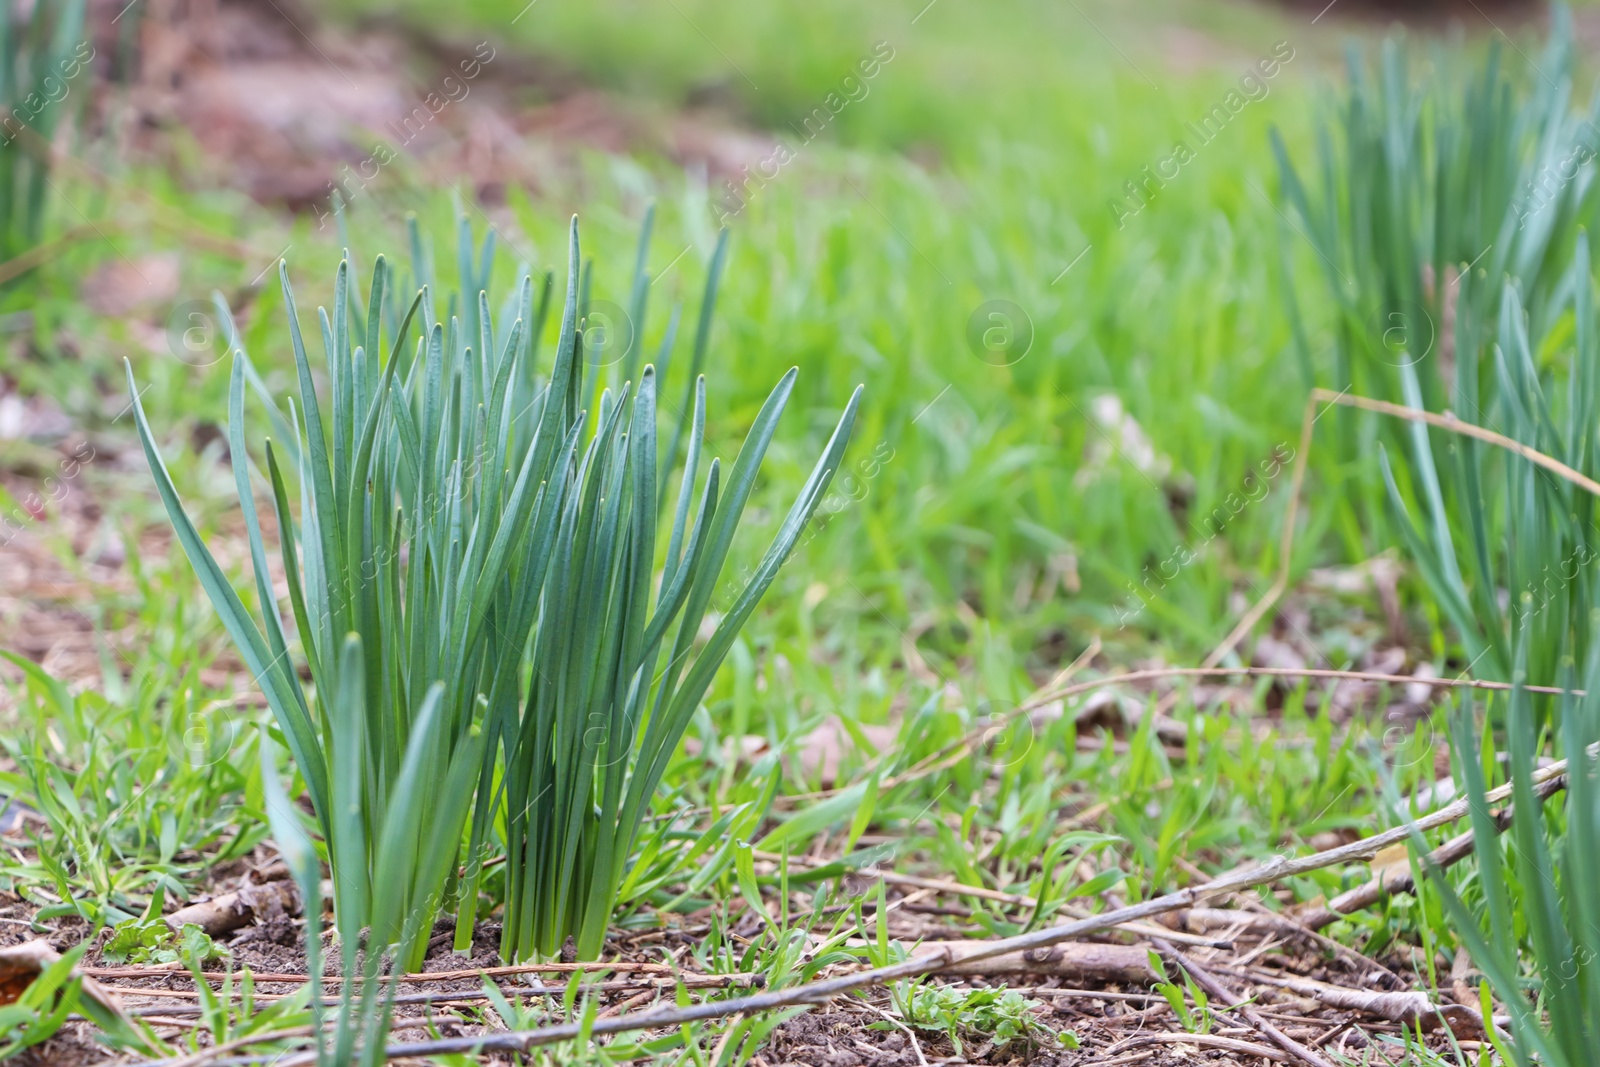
(205, 63)
(1115, 1022)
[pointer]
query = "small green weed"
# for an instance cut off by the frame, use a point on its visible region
(153, 941)
(996, 1015)
(1196, 1021)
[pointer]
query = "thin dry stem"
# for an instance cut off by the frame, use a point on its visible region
(1444, 422)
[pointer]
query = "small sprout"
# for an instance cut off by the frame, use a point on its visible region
(997, 1015)
(1195, 1022)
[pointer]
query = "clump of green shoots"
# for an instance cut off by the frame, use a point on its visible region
(38, 56)
(1449, 218)
(1501, 542)
(503, 655)
(1452, 235)
(1428, 190)
(1521, 592)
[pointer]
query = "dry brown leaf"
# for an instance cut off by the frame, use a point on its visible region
(21, 964)
(119, 286)
(1396, 859)
(822, 750)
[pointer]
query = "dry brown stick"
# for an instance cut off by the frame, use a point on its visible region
(207, 1054)
(1152, 673)
(143, 1011)
(1382, 407)
(629, 1004)
(1128, 1058)
(1270, 922)
(1076, 960)
(1401, 881)
(230, 911)
(1406, 1007)
(1017, 900)
(940, 885)
(649, 984)
(178, 970)
(1222, 995)
(1467, 429)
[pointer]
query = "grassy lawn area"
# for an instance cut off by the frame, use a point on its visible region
(1005, 643)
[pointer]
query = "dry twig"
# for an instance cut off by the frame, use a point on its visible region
(1444, 422)
(1403, 1006)
(1222, 995)
(1401, 881)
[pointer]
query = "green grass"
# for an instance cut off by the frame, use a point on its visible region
(982, 530)
(117, 776)
(858, 264)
